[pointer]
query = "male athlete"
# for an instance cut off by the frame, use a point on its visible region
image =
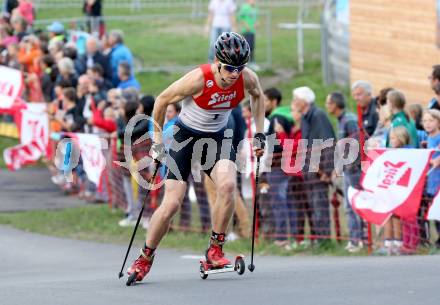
(208, 94)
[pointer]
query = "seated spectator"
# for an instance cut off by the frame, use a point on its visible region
(125, 75)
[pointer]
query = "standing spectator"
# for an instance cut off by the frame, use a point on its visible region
(97, 73)
(126, 77)
(415, 111)
(56, 32)
(348, 129)
(279, 117)
(399, 138)
(396, 101)
(221, 18)
(362, 93)
(431, 122)
(119, 53)
(20, 27)
(434, 79)
(26, 10)
(315, 126)
(48, 77)
(9, 6)
(247, 18)
(296, 204)
(94, 56)
(67, 71)
(93, 10)
(5, 38)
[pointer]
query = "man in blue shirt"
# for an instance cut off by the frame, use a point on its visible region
(348, 129)
(118, 54)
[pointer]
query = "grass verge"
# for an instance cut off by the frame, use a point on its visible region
(5, 143)
(99, 223)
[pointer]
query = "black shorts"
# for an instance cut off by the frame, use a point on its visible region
(203, 148)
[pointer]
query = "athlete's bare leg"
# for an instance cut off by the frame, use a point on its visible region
(161, 219)
(224, 176)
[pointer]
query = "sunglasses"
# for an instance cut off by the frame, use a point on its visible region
(232, 69)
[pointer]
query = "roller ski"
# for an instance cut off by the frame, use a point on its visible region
(140, 267)
(216, 262)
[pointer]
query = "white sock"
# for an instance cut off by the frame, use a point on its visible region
(388, 243)
(397, 243)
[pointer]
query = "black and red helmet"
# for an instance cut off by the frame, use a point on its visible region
(232, 49)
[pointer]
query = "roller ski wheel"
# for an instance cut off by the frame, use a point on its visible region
(203, 275)
(240, 266)
(132, 279)
(206, 268)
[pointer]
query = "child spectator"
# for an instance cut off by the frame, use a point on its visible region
(398, 138)
(415, 111)
(431, 123)
(396, 101)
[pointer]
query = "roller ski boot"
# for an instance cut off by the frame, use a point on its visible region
(216, 262)
(140, 267)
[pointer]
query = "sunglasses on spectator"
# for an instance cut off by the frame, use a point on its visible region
(232, 69)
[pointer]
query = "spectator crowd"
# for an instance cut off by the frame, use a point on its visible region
(89, 86)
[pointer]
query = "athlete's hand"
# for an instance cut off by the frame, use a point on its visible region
(158, 152)
(259, 144)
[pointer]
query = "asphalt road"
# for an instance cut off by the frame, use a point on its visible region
(41, 270)
(31, 189)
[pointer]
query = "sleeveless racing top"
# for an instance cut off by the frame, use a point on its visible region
(210, 111)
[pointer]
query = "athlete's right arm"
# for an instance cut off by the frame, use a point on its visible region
(189, 85)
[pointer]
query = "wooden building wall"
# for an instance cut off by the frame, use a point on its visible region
(393, 43)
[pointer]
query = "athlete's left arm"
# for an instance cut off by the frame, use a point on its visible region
(252, 85)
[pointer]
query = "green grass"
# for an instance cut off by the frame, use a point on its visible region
(5, 143)
(99, 223)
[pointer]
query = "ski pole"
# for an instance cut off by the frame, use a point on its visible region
(251, 267)
(121, 274)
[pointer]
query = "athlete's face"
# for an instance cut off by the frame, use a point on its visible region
(230, 74)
